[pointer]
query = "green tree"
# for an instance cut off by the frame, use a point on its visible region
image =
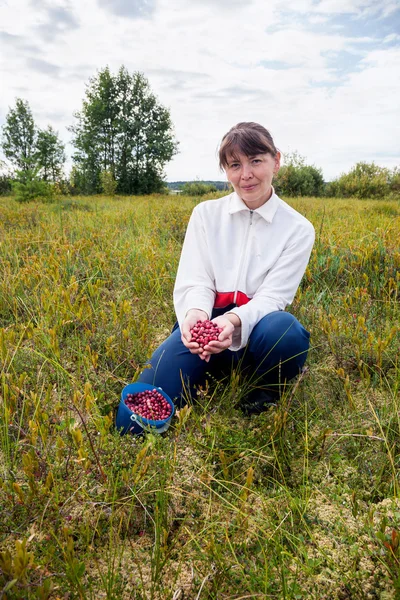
(19, 136)
(296, 178)
(95, 132)
(123, 129)
(50, 154)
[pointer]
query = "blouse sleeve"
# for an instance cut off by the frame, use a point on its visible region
(194, 284)
(279, 286)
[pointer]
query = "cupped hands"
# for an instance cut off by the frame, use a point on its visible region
(212, 347)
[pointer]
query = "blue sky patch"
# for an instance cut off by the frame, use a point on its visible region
(350, 25)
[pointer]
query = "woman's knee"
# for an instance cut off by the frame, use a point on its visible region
(280, 331)
(278, 347)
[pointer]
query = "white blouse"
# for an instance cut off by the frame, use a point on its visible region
(252, 258)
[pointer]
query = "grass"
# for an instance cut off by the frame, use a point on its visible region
(301, 502)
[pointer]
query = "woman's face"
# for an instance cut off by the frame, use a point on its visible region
(251, 176)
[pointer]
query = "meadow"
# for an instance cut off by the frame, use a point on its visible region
(301, 502)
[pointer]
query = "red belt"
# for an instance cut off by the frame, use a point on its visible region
(223, 299)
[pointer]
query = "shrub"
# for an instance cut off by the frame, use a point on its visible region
(28, 186)
(365, 180)
(295, 178)
(84, 182)
(108, 183)
(196, 188)
(394, 181)
(63, 187)
(5, 185)
(5, 180)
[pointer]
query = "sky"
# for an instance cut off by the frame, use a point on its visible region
(322, 75)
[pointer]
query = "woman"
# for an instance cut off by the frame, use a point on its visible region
(242, 261)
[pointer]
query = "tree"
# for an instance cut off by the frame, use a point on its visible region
(122, 129)
(50, 154)
(295, 178)
(19, 136)
(94, 133)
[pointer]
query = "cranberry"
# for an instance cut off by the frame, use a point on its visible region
(149, 404)
(204, 332)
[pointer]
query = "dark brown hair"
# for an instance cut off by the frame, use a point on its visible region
(247, 138)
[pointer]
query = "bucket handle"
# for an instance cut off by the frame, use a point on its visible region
(134, 418)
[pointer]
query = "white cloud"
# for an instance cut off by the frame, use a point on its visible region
(329, 95)
(392, 37)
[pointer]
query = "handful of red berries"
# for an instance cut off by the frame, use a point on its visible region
(149, 404)
(203, 332)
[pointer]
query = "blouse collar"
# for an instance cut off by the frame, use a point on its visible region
(266, 211)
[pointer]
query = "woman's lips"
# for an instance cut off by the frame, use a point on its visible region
(248, 188)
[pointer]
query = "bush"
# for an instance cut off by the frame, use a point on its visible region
(5, 180)
(366, 180)
(332, 189)
(62, 188)
(298, 179)
(108, 183)
(5, 185)
(84, 182)
(28, 186)
(394, 181)
(196, 188)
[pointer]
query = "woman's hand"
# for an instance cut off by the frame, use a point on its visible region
(224, 339)
(228, 323)
(190, 321)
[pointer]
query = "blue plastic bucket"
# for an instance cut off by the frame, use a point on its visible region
(129, 422)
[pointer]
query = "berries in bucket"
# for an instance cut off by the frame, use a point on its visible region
(149, 404)
(144, 407)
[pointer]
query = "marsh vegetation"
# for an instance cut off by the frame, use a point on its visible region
(299, 502)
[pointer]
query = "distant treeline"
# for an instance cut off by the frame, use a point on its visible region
(179, 185)
(364, 180)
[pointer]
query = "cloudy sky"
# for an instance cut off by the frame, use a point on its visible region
(321, 75)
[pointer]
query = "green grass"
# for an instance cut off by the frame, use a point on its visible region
(301, 502)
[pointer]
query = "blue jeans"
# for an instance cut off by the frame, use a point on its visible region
(275, 354)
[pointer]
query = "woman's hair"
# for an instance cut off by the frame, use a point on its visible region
(247, 138)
